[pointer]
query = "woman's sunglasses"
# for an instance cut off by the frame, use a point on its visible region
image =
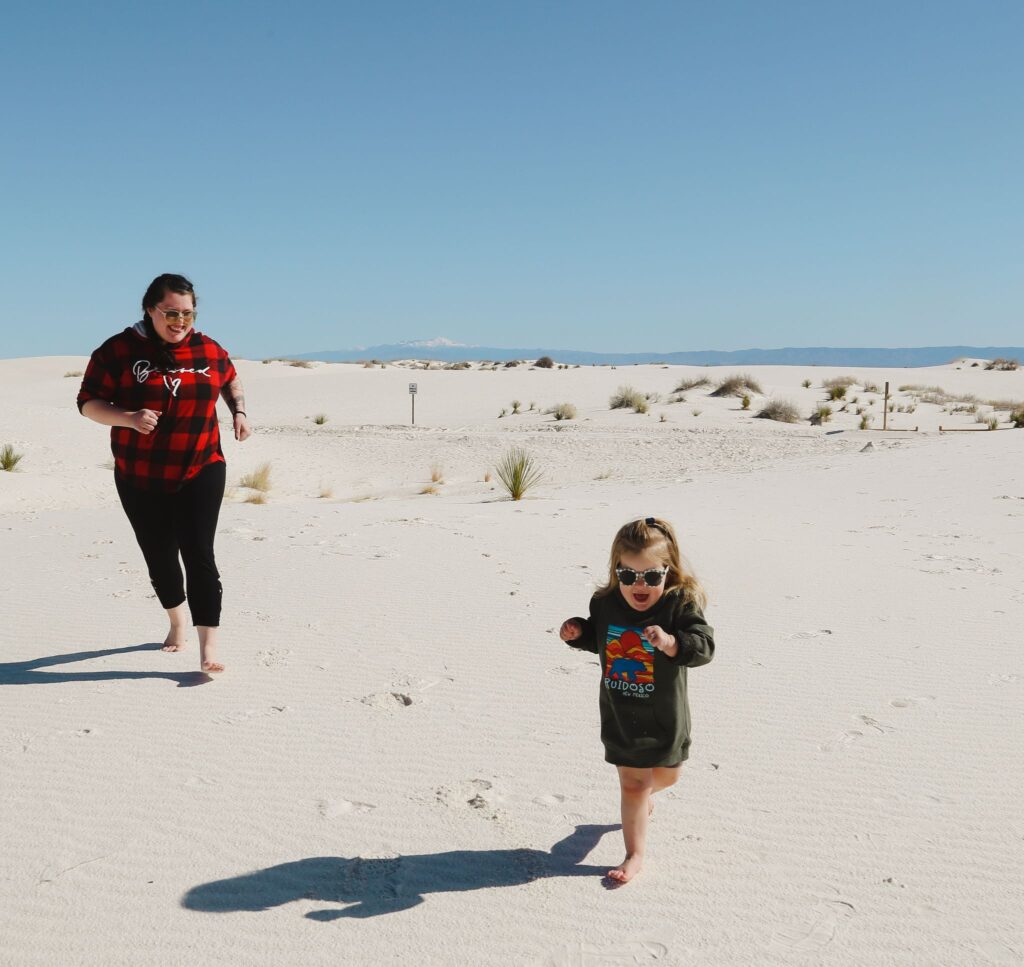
(174, 315)
(651, 578)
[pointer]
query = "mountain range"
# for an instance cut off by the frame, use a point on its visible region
(445, 350)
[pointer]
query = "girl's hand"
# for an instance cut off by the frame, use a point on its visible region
(570, 630)
(242, 428)
(665, 643)
(145, 421)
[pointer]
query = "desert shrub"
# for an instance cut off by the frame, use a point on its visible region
(1003, 364)
(1008, 405)
(459, 365)
(781, 411)
(920, 388)
(865, 422)
(300, 363)
(745, 403)
(737, 385)
(625, 397)
(696, 412)
(662, 418)
(965, 408)
(257, 498)
(1017, 418)
(487, 477)
(806, 384)
(320, 419)
(430, 489)
(259, 479)
(823, 414)
(516, 407)
(563, 411)
(677, 398)
(518, 472)
(9, 458)
(533, 405)
(545, 362)
(981, 418)
(695, 383)
(72, 372)
(436, 474)
(511, 364)
(504, 412)
(993, 423)
(871, 387)
(844, 381)
(836, 392)
(326, 492)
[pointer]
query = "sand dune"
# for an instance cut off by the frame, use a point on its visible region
(402, 763)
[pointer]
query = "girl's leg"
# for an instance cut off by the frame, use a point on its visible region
(636, 786)
(196, 516)
(152, 520)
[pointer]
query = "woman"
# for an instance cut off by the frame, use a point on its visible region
(156, 385)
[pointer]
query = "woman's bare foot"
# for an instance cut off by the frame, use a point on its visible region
(208, 649)
(176, 640)
(212, 666)
(629, 868)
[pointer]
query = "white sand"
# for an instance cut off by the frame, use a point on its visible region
(400, 737)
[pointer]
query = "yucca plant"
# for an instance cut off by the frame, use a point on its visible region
(518, 472)
(9, 458)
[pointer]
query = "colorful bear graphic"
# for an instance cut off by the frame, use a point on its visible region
(629, 659)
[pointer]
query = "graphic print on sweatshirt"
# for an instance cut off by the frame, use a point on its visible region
(629, 662)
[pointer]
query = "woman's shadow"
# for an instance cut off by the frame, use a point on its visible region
(29, 673)
(372, 887)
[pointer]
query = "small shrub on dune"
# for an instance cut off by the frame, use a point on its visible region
(563, 411)
(511, 364)
(460, 365)
(870, 387)
(1017, 418)
(518, 472)
(545, 362)
(865, 422)
(1007, 365)
(993, 423)
(696, 412)
(695, 382)
(625, 397)
(823, 414)
(738, 385)
(256, 498)
(745, 403)
(430, 489)
(326, 492)
(806, 384)
(781, 411)
(836, 381)
(436, 474)
(516, 407)
(300, 363)
(259, 479)
(9, 458)
(72, 372)
(836, 392)
(320, 419)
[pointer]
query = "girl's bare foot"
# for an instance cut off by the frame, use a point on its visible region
(212, 666)
(629, 868)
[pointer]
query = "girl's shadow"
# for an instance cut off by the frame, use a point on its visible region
(372, 887)
(28, 673)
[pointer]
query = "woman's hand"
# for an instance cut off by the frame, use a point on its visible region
(570, 630)
(144, 421)
(665, 643)
(242, 428)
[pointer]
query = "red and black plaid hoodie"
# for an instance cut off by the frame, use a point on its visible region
(124, 371)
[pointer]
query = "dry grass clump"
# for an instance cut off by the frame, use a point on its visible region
(326, 492)
(259, 480)
(1008, 405)
(320, 419)
(436, 474)
(921, 388)
(256, 498)
(871, 388)
(9, 458)
(865, 422)
(430, 489)
(563, 411)
(806, 384)
(738, 385)
(545, 362)
(844, 381)
(518, 472)
(1004, 364)
(73, 372)
(300, 363)
(782, 411)
(512, 363)
(516, 407)
(695, 383)
(625, 397)
(459, 365)
(823, 414)
(1017, 418)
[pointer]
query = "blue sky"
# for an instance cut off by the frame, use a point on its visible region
(650, 176)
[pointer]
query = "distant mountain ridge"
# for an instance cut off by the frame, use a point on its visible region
(445, 351)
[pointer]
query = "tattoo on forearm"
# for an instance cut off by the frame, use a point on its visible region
(234, 396)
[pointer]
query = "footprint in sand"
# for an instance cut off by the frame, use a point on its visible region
(618, 954)
(812, 634)
(875, 724)
(333, 808)
(911, 702)
(551, 799)
(469, 793)
(826, 919)
(998, 680)
(842, 741)
(387, 701)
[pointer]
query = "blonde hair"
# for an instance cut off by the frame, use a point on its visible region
(642, 535)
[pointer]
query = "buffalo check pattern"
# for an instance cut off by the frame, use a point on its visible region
(125, 371)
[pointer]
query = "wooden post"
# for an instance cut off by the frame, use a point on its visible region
(885, 408)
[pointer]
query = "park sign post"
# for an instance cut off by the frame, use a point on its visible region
(412, 398)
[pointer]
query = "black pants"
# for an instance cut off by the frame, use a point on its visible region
(182, 522)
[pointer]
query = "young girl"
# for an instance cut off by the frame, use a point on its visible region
(646, 624)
